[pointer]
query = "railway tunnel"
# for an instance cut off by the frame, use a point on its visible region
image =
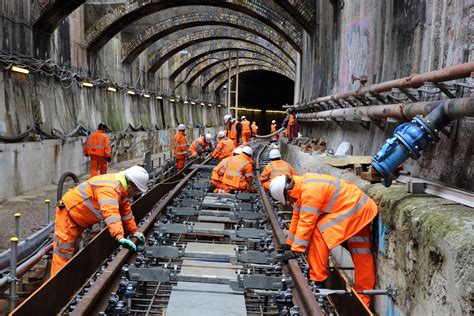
(373, 95)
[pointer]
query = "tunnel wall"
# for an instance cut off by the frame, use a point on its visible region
(386, 40)
(422, 244)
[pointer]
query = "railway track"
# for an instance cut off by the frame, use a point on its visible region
(205, 254)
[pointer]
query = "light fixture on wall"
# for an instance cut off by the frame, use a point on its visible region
(172, 100)
(87, 84)
(186, 102)
(111, 89)
(202, 103)
(20, 70)
(210, 104)
(159, 97)
(218, 105)
(131, 92)
(146, 95)
(193, 103)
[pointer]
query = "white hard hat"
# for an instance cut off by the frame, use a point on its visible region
(277, 188)
(273, 121)
(248, 150)
(138, 176)
(221, 134)
(227, 117)
(243, 117)
(237, 151)
(274, 154)
(181, 127)
(208, 138)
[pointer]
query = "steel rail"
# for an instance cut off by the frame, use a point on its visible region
(55, 293)
(304, 297)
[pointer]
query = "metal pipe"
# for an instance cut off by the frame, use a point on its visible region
(17, 225)
(13, 297)
(412, 81)
(454, 108)
(46, 211)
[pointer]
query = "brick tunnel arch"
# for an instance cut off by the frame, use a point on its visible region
(50, 13)
(112, 23)
(195, 73)
(157, 57)
(145, 38)
(204, 49)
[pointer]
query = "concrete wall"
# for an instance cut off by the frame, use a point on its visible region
(423, 245)
(26, 166)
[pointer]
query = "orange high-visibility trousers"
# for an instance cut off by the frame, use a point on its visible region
(245, 137)
(98, 164)
(67, 235)
(359, 247)
(180, 164)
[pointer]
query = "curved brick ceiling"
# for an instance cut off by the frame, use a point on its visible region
(215, 60)
(220, 82)
(146, 36)
(265, 11)
(201, 50)
(169, 47)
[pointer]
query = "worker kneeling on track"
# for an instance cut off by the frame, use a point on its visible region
(104, 197)
(200, 145)
(275, 168)
(328, 211)
(224, 147)
(238, 175)
(218, 173)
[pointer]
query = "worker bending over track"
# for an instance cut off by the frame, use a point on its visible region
(224, 147)
(201, 145)
(238, 175)
(328, 211)
(218, 173)
(104, 197)
(275, 168)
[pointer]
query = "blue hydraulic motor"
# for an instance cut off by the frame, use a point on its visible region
(408, 141)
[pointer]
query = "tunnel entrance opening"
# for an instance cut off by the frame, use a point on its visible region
(261, 96)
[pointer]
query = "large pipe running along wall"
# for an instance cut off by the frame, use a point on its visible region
(412, 81)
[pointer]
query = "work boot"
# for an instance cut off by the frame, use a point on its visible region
(316, 285)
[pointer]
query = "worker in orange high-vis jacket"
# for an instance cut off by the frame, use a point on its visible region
(180, 147)
(328, 211)
(233, 129)
(254, 128)
(246, 129)
(275, 168)
(273, 129)
(238, 175)
(101, 198)
(97, 147)
(224, 147)
(200, 145)
(219, 170)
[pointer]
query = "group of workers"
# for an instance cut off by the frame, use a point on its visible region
(327, 211)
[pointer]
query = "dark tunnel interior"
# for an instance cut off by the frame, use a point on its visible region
(266, 91)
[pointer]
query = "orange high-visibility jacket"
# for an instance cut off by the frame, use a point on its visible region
(337, 208)
(101, 198)
(180, 146)
(223, 149)
(232, 130)
(198, 146)
(239, 172)
(254, 129)
(274, 169)
(273, 128)
(98, 144)
(246, 127)
(219, 170)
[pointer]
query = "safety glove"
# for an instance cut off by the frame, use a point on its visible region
(287, 255)
(285, 247)
(109, 159)
(127, 243)
(139, 236)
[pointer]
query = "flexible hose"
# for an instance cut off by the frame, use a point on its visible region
(272, 134)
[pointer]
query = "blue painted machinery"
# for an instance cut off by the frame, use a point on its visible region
(408, 141)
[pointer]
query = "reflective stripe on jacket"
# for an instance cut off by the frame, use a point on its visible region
(274, 169)
(273, 128)
(223, 149)
(98, 144)
(337, 208)
(219, 170)
(180, 146)
(246, 127)
(239, 172)
(101, 198)
(198, 146)
(232, 130)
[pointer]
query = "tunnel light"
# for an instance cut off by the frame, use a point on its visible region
(172, 100)
(159, 97)
(218, 105)
(202, 103)
(186, 102)
(20, 70)
(146, 95)
(276, 111)
(131, 92)
(111, 89)
(87, 84)
(210, 104)
(193, 103)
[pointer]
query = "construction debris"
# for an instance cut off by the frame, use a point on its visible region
(310, 145)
